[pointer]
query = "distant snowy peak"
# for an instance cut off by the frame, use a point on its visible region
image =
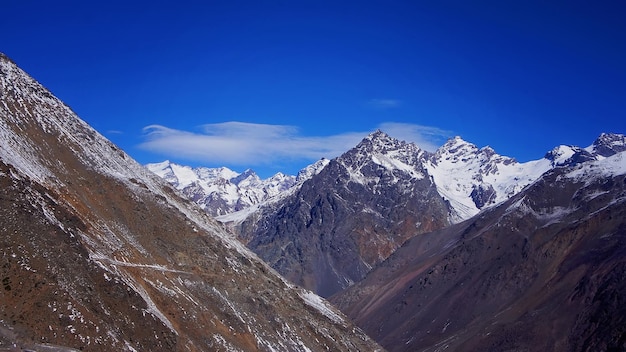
(182, 176)
(606, 158)
(222, 191)
(566, 155)
(473, 178)
(209, 174)
(458, 151)
(611, 166)
(248, 177)
(456, 148)
(378, 142)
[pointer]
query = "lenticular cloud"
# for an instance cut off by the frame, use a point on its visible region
(251, 144)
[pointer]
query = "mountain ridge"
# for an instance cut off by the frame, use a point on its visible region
(470, 178)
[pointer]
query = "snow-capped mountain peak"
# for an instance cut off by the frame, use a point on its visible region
(567, 155)
(606, 167)
(386, 151)
(379, 140)
(457, 146)
(472, 179)
(248, 177)
(606, 145)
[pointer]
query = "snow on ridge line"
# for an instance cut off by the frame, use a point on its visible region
(611, 166)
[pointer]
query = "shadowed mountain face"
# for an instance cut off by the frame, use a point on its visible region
(99, 254)
(349, 217)
(544, 271)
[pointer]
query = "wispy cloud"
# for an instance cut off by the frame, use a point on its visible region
(384, 103)
(250, 144)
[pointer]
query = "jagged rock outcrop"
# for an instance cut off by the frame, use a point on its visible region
(543, 271)
(99, 254)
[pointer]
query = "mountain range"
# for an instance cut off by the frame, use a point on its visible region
(468, 177)
(357, 209)
(100, 254)
(460, 249)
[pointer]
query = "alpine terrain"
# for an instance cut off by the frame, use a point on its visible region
(327, 232)
(99, 254)
(460, 249)
(543, 271)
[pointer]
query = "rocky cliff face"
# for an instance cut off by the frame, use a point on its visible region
(98, 254)
(544, 271)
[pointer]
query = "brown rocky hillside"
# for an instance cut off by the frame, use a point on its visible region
(98, 254)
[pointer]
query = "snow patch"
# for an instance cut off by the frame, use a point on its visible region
(321, 305)
(611, 166)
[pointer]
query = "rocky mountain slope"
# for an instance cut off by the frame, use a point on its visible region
(99, 254)
(543, 271)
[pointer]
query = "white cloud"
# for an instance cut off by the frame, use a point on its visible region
(250, 144)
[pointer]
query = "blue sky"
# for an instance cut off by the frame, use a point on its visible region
(274, 85)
